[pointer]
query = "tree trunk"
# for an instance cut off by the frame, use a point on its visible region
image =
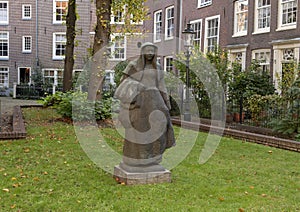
(69, 51)
(101, 41)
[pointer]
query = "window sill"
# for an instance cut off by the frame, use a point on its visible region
(239, 35)
(169, 38)
(117, 23)
(58, 58)
(261, 32)
(134, 23)
(59, 23)
(283, 28)
(4, 58)
(205, 5)
(113, 59)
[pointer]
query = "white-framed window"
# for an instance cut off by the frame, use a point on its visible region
(4, 77)
(53, 76)
(59, 45)
(158, 62)
(157, 25)
(109, 79)
(117, 48)
(262, 16)
(117, 17)
(59, 11)
(238, 55)
(170, 23)
(204, 3)
(212, 28)
(197, 27)
(4, 45)
(262, 56)
(287, 14)
(134, 20)
(26, 44)
(26, 11)
(286, 58)
(4, 12)
(240, 17)
(168, 63)
(24, 75)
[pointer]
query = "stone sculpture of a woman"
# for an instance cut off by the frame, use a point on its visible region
(144, 113)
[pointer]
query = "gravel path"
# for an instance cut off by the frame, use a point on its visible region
(6, 111)
(7, 104)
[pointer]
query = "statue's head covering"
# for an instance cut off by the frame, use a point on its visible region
(136, 67)
(141, 60)
(148, 44)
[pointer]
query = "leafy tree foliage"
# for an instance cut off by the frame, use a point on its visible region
(133, 11)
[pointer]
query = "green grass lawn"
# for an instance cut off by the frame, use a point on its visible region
(49, 171)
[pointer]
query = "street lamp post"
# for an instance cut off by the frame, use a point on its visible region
(188, 37)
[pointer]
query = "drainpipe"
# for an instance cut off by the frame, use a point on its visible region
(180, 26)
(179, 2)
(36, 34)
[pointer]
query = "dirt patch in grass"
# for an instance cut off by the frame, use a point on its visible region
(6, 124)
(107, 123)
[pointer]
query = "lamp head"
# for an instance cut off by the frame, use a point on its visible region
(188, 34)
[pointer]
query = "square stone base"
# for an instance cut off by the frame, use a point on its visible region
(130, 178)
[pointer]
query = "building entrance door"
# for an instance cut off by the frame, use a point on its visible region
(24, 75)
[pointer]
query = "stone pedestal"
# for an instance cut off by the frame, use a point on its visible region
(136, 178)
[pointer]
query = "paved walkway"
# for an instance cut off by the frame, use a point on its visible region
(7, 104)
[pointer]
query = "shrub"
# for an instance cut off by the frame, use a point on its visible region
(264, 107)
(74, 105)
(290, 123)
(52, 100)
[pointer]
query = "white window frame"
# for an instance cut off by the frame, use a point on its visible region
(55, 75)
(198, 32)
(256, 17)
(54, 12)
(158, 62)
(5, 22)
(169, 68)
(206, 32)
(237, 13)
(141, 22)
(122, 17)
(110, 77)
(25, 44)
(204, 3)
(167, 26)
(242, 51)
(54, 56)
(5, 73)
(156, 37)
(267, 62)
(7, 41)
(280, 25)
(113, 47)
(24, 11)
(135, 23)
(278, 60)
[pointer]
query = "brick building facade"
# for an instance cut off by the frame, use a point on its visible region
(265, 30)
(33, 34)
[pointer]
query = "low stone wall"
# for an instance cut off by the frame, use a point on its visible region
(18, 126)
(242, 135)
